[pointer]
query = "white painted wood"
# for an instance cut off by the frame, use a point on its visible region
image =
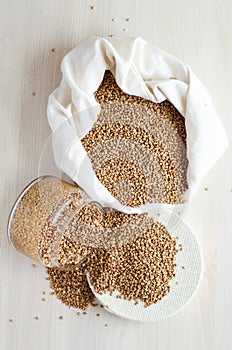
(197, 31)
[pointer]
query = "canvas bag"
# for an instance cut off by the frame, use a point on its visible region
(139, 69)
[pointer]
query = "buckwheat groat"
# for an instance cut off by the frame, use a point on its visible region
(140, 269)
(138, 147)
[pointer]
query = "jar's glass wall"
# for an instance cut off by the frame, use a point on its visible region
(39, 216)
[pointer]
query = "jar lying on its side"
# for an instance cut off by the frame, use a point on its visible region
(39, 218)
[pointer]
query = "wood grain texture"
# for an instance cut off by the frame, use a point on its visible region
(197, 31)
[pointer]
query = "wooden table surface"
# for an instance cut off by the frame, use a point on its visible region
(198, 32)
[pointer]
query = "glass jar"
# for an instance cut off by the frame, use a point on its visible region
(39, 220)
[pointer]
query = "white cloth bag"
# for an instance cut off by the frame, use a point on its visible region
(139, 69)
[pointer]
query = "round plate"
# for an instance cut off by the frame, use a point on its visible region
(183, 286)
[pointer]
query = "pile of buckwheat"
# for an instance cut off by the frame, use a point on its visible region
(140, 270)
(138, 147)
(71, 287)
